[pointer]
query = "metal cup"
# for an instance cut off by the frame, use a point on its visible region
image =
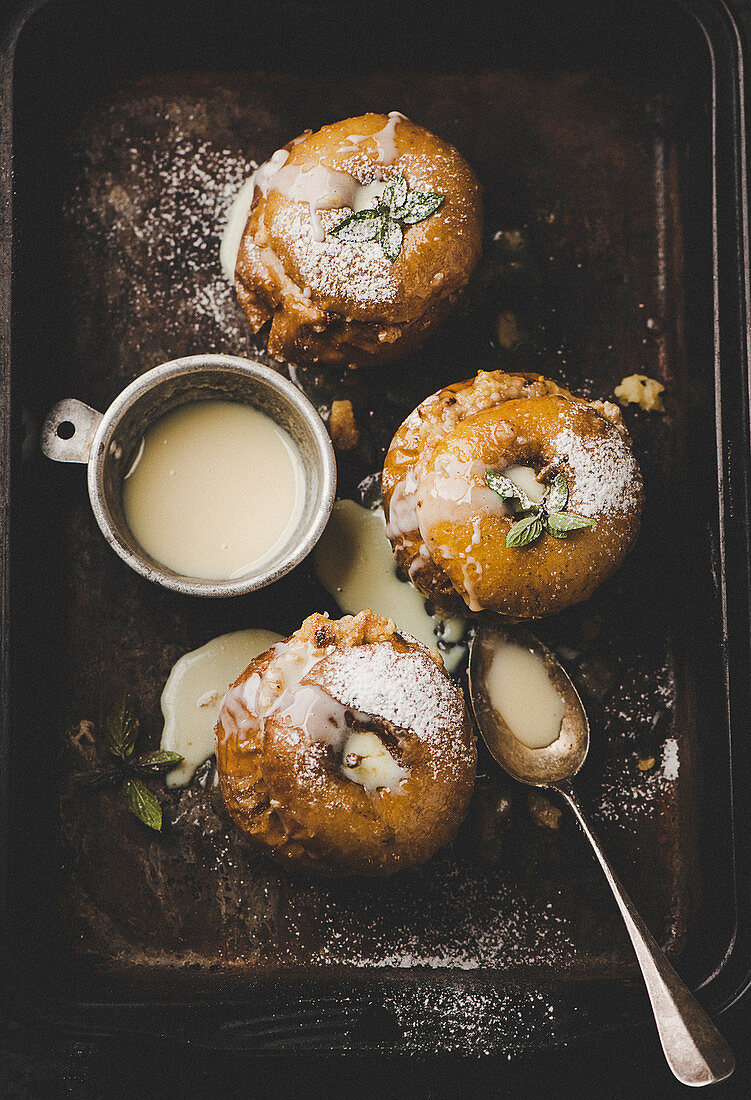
(74, 432)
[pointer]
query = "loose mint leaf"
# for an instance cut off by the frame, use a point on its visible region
(160, 761)
(507, 490)
(419, 206)
(121, 730)
(143, 804)
(524, 531)
(390, 238)
(98, 777)
(559, 524)
(395, 194)
(556, 497)
(358, 228)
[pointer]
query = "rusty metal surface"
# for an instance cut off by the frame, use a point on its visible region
(582, 279)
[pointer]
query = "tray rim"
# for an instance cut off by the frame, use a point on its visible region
(732, 297)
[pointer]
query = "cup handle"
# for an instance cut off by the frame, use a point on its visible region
(68, 431)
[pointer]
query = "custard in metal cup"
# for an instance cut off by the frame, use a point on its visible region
(111, 443)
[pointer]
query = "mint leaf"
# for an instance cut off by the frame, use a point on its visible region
(98, 777)
(556, 498)
(121, 730)
(160, 761)
(559, 524)
(398, 204)
(395, 194)
(507, 490)
(524, 531)
(420, 205)
(390, 238)
(358, 228)
(143, 804)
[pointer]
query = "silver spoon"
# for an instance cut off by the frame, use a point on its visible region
(695, 1051)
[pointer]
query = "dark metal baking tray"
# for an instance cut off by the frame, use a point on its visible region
(610, 142)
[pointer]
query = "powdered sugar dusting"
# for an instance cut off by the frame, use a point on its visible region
(163, 210)
(606, 477)
(406, 689)
(359, 274)
(670, 764)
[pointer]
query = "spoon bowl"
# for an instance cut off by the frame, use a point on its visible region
(538, 767)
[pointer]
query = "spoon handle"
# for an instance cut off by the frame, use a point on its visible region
(695, 1051)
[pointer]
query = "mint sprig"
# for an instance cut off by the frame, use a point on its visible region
(532, 519)
(120, 734)
(384, 223)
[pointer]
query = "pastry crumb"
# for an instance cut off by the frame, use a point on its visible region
(543, 812)
(639, 389)
(343, 426)
(507, 329)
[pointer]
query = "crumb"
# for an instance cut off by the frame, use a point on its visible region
(646, 764)
(84, 733)
(543, 812)
(512, 238)
(351, 630)
(342, 425)
(507, 329)
(640, 390)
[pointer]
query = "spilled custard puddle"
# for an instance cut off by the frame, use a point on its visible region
(194, 691)
(355, 564)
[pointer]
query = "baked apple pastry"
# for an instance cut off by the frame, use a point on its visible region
(360, 238)
(507, 493)
(346, 749)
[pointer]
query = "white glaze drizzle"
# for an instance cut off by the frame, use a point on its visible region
(194, 689)
(239, 211)
(454, 492)
(385, 139)
(282, 692)
(320, 187)
(403, 508)
(237, 219)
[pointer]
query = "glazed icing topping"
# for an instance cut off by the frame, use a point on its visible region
(385, 139)
(283, 692)
(454, 492)
(263, 176)
(448, 499)
(237, 219)
(320, 187)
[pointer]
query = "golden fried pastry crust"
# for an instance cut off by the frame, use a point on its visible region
(339, 302)
(346, 749)
(447, 526)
